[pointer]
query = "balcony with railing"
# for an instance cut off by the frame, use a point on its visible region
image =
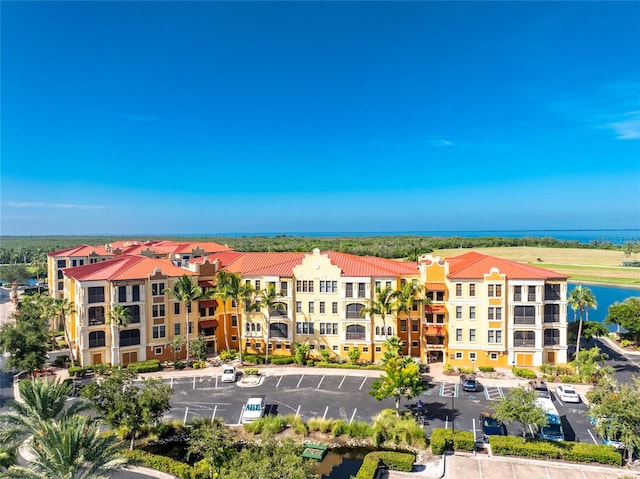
(551, 318)
(524, 339)
(551, 341)
(526, 320)
(356, 336)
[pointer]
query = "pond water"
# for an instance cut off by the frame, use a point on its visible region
(605, 297)
(341, 463)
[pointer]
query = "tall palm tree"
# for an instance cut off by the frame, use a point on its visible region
(72, 448)
(406, 297)
(186, 291)
(118, 317)
(42, 401)
(382, 304)
(239, 292)
(582, 299)
(60, 308)
(268, 299)
(223, 292)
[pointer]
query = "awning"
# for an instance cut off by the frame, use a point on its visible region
(208, 303)
(435, 286)
(208, 323)
(434, 330)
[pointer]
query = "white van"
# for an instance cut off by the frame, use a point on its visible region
(254, 409)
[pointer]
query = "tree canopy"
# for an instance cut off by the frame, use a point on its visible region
(627, 316)
(520, 406)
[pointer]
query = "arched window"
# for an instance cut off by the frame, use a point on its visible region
(355, 332)
(278, 330)
(278, 310)
(96, 339)
(389, 331)
(129, 337)
(377, 330)
(354, 310)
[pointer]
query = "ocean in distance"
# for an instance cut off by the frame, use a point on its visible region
(613, 236)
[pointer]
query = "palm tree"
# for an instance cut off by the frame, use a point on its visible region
(223, 292)
(582, 299)
(72, 448)
(186, 291)
(268, 299)
(382, 304)
(238, 293)
(118, 317)
(406, 297)
(60, 308)
(42, 401)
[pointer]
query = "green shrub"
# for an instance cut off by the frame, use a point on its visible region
(179, 364)
(486, 369)
(101, 369)
(565, 370)
(60, 360)
(354, 355)
(149, 366)
(325, 354)
(447, 368)
(310, 362)
(282, 360)
(164, 464)
(569, 379)
(524, 373)
(78, 371)
(250, 371)
(61, 344)
(319, 424)
(339, 428)
(541, 449)
(229, 355)
(396, 461)
(360, 429)
(443, 439)
(625, 343)
(253, 358)
(463, 370)
(322, 364)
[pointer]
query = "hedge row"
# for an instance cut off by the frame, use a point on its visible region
(524, 373)
(569, 451)
(281, 361)
(164, 464)
(322, 364)
(443, 439)
(396, 461)
(149, 366)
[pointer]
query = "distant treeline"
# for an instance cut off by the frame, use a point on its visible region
(27, 249)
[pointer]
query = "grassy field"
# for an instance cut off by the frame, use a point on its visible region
(587, 265)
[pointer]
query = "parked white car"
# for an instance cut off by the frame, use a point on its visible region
(567, 393)
(228, 374)
(254, 409)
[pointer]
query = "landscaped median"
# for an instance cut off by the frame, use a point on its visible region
(444, 439)
(564, 450)
(396, 461)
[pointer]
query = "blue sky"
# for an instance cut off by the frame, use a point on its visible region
(220, 117)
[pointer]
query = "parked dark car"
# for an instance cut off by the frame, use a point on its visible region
(491, 426)
(469, 384)
(540, 387)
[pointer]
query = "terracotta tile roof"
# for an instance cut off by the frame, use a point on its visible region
(282, 264)
(353, 265)
(265, 264)
(124, 267)
(224, 257)
(81, 251)
(435, 286)
(187, 247)
(475, 265)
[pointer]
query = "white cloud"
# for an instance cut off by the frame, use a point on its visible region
(626, 129)
(61, 206)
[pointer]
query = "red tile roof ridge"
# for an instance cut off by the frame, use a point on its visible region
(475, 265)
(126, 266)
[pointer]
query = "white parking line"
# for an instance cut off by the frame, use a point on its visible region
(594, 439)
(363, 381)
(241, 413)
(186, 411)
(171, 385)
(321, 379)
(501, 392)
(301, 378)
(213, 414)
(194, 382)
(298, 411)
(278, 384)
(217, 380)
(326, 409)
(340, 385)
(353, 415)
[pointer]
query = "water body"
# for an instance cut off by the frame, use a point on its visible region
(605, 297)
(615, 236)
(341, 463)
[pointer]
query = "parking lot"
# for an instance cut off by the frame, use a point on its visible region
(347, 397)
